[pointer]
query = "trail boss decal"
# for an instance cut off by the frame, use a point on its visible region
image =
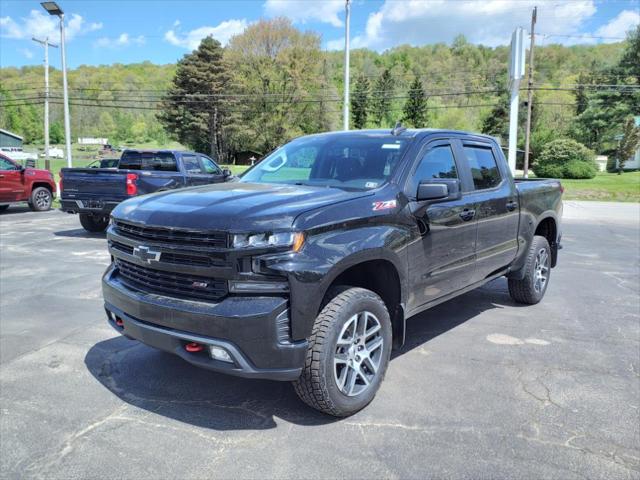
(386, 205)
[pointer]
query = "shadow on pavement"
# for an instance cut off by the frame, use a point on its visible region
(168, 386)
(79, 233)
(19, 208)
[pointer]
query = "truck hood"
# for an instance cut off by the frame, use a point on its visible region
(234, 206)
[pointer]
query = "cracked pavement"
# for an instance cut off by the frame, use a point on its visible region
(483, 388)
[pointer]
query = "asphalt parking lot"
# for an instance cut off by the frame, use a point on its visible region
(484, 388)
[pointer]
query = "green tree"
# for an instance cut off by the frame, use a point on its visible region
(360, 103)
(276, 69)
(415, 109)
(56, 133)
(628, 144)
(194, 108)
(565, 158)
(381, 99)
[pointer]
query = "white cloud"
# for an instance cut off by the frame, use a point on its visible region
(122, 40)
(325, 11)
(42, 25)
(221, 32)
(490, 22)
(619, 26)
(26, 52)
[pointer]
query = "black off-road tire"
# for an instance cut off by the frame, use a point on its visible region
(41, 199)
(317, 385)
(93, 224)
(3, 207)
(524, 290)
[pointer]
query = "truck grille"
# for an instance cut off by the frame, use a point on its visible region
(169, 235)
(174, 257)
(176, 285)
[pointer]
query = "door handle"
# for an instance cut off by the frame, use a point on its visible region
(512, 205)
(467, 214)
(1, 176)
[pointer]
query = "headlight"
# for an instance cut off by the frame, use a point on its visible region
(261, 240)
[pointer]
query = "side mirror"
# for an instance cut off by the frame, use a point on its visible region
(438, 189)
(226, 172)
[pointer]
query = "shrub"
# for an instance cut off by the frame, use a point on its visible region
(565, 158)
(576, 169)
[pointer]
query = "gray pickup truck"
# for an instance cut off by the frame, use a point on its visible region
(307, 268)
(94, 192)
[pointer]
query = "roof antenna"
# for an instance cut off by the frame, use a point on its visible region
(398, 129)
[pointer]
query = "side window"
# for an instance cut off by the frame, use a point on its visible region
(209, 166)
(6, 165)
(438, 162)
(484, 168)
(191, 165)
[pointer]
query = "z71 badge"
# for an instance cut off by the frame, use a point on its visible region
(386, 205)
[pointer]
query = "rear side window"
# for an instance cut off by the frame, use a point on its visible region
(191, 164)
(484, 168)
(156, 161)
(437, 163)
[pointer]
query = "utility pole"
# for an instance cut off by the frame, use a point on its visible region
(529, 93)
(46, 44)
(345, 108)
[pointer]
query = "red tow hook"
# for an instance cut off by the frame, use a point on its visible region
(119, 322)
(193, 347)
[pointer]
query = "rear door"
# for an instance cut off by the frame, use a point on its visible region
(442, 259)
(11, 182)
(497, 211)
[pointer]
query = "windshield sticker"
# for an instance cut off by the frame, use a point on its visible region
(391, 146)
(371, 185)
(386, 205)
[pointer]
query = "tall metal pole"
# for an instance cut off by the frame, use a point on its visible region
(67, 126)
(516, 72)
(345, 108)
(46, 44)
(529, 94)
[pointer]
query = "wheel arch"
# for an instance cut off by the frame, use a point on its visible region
(379, 274)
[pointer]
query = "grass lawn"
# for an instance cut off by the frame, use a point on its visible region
(608, 187)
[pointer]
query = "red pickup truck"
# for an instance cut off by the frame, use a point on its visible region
(20, 184)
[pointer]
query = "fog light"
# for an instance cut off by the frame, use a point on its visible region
(219, 353)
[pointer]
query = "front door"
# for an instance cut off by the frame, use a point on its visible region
(442, 259)
(213, 172)
(11, 182)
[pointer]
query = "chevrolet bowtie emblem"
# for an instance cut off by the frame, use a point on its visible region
(146, 254)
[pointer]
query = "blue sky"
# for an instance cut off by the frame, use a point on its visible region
(105, 32)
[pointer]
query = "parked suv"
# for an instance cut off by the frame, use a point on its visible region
(20, 184)
(308, 267)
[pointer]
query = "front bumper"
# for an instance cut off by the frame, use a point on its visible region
(253, 330)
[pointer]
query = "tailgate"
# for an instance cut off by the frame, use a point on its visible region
(104, 183)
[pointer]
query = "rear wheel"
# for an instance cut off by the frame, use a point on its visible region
(348, 353)
(537, 269)
(3, 207)
(41, 199)
(93, 224)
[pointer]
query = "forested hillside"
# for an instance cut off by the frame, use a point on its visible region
(273, 82)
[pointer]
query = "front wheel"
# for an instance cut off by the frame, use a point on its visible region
(93, 224)
(537, 270)
(41, 199)
(348, 354)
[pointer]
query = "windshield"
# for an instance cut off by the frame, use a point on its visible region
(359, 162)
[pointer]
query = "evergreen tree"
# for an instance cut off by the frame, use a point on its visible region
(381, 102)
(193, 110)
(360, 102)
(629, 143)
(415, 109)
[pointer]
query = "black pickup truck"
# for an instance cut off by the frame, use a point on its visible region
(94, 192)
(307, 268)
